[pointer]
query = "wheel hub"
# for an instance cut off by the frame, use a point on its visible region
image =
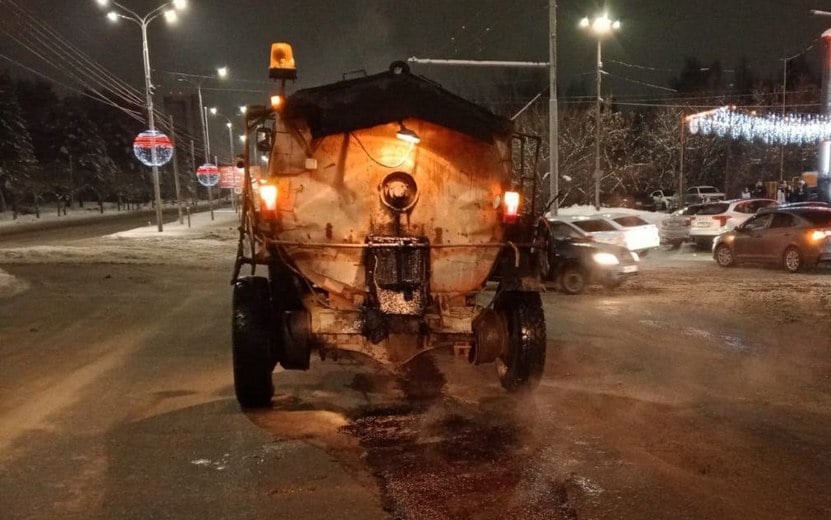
(491, 333)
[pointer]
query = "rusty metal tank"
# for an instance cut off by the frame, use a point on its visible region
(396, 202)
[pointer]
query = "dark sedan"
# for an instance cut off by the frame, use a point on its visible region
(576, 263)
(794, 238)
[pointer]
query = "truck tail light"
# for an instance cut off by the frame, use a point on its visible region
(511, 207)
(268, 198)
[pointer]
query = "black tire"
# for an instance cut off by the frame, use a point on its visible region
(675, 244)
(252, 342)
(642, 254)
(724, 256)
(521, 367)
(792, 260)
(573, 279)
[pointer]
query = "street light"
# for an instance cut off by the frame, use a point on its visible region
(600, 26)
(214, 111)
(143, 21)
(196, 80)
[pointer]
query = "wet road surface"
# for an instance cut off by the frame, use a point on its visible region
(694, 392)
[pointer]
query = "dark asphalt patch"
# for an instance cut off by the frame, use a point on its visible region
(438, 457)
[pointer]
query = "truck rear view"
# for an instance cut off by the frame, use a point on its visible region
(380, 210)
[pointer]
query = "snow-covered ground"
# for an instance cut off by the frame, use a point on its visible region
(205, 241)
(50, 214)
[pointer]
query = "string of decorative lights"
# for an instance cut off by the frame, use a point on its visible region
(770, 128)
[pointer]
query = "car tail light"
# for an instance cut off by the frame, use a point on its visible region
(268, 199)
(721, 219)
(510, 207)
(819, 234)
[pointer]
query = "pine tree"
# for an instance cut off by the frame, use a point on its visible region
(19, 167)
(93, 169)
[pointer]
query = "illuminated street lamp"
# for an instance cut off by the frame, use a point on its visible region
(600, 26)
(168, 10)
(214, 111)
(196, 80)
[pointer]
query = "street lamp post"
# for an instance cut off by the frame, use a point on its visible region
(206, 134)
(228, 123)
(600, 27)
(168, 9)
(196, 80)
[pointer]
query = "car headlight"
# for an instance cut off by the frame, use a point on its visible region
(605, 259)
(635, 256)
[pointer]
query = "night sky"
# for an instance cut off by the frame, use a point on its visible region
(331, 37)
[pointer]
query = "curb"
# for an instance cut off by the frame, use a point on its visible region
(113, 216)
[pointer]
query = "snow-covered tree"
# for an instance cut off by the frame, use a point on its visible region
(18, 164)
(93, 170)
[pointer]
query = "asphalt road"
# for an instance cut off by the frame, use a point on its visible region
(694, 392)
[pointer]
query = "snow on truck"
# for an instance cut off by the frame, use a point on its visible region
(386, 207)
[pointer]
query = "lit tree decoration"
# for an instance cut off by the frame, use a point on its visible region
(768, 128)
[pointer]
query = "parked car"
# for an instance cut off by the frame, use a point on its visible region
(794, 238)
(698, 194)
(796, 205)
(675, 229)
(621, 229)
(719, 217)
(641, 201)
(663, 199)
(576, 263)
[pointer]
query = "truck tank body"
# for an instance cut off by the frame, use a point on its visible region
(458, 182)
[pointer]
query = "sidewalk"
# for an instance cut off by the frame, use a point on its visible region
(49, 218)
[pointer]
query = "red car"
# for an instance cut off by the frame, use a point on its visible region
(794, 238)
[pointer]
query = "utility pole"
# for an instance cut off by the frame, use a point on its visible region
(824, 168)
(553, 119)
(681, 201)
(176, 170)
(598, 124)
(192, 165)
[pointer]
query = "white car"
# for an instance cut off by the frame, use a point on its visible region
(696, 194)
(675, 229)
(622, 229)
(663, 199)
(720, 217)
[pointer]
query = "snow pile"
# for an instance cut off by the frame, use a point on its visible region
(205, 241)
(10, 285)
(50, 213)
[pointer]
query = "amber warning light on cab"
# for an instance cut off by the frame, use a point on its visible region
(282, 62)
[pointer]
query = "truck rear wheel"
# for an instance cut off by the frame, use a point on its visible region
(253, 342)
(521, 366)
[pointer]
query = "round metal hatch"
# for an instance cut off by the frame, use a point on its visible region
(398, 191)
